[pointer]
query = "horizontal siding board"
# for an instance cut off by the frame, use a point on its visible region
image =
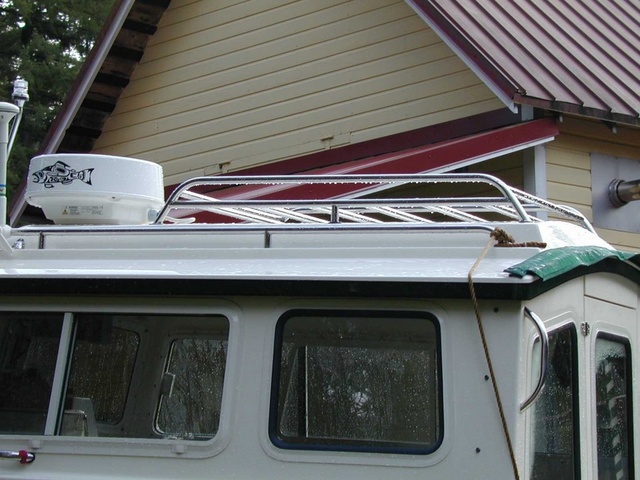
(211, 13)
(183, 10)
(585, 145)
(254, 90)
(223, 90)
(594, 131)
(564, 194)
(220, 25)
(569, 181)
(621, 240)
(192, 157)
(567, 157)
(405, 34)
(496, 166)
(352, 116)
(439, 109)
(279, 36)
(569, 176)
(291, 100)
(280, 147)
(569, 168)
(259, 19)
(338, 118)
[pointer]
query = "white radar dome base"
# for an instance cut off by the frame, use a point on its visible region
(82, 189)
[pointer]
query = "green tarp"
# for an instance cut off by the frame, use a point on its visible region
(556, 261)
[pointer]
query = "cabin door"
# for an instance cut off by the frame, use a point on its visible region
(582, 424)
(609, 333)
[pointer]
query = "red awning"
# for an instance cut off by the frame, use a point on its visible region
(441, 156)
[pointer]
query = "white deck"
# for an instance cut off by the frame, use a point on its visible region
(186, 252)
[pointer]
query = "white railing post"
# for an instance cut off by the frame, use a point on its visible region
(7, 112)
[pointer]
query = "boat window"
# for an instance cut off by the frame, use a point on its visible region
(357, 381)
(28, 351)
(613, 402)
(555, 414)
(112, 375)
(102, 365)
(145, 376)
(192, 388)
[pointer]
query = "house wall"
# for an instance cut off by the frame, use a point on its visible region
(569, 168)
(225, 84)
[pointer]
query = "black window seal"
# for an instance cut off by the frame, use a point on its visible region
(629, 381)
(359, 445)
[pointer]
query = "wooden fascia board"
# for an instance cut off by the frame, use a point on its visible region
(578, 110)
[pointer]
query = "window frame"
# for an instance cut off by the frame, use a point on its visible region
(132, 446)
(575, 401)
(170, 346)
(626, 343)
(71, 364)
(352, 446)
(51, 401)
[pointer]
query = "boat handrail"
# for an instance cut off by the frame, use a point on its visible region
(543, 336)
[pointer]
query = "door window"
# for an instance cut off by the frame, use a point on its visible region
(555, 417)
(613, 404)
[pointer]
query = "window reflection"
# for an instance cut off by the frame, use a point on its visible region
(612, 409)
(190, 405)
(103, 361)
(358, 382)
(28, 351)
(555, 413)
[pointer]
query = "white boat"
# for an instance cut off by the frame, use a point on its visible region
(376, 335)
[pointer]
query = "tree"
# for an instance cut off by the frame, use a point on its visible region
(44, 42)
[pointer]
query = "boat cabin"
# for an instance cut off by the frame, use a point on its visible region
(412, 326)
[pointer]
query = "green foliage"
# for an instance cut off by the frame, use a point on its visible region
(44, 42)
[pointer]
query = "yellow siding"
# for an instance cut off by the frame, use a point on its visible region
(226, 84)
(569, 168)
(621, 240)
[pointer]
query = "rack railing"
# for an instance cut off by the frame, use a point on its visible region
(296, 201)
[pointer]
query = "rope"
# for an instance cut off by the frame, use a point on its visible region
(506, 240)
(500, 236)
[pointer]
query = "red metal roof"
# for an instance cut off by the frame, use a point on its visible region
(575, 56)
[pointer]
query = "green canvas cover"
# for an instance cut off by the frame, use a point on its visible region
(556, 261)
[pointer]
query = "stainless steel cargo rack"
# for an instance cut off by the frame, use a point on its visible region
(356, 207)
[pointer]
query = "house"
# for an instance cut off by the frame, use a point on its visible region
(545, 97)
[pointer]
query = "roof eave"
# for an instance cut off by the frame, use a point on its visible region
(125, 15)
(578, 110)
(77, 93)
(86, 76)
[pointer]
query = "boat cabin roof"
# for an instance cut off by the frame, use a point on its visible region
(209, 239)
